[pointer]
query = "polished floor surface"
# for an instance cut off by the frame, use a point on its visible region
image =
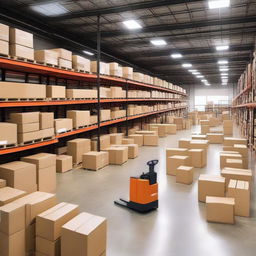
(177, 228)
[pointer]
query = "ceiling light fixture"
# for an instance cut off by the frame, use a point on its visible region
(221, 62)
(224, 74)
(176, 55)
(222, 47)
(88, 53)
(158, 42)
(224, 69)
(49, 9)
(214, 4)
(186, 65)
(132, 24)
(192, 70)
(200, 76)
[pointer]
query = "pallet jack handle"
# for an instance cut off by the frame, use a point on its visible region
(152, 165)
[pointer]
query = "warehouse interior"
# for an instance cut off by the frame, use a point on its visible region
(127, 127)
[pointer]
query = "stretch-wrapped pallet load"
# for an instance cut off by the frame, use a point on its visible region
(47, 57)
(81, 64)
(4, 39)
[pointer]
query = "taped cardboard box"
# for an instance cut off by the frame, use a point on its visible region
(8, 194)
(19, 175)
(210, 185)
(8, 133)
(18, 36)
(45, 247)
(63, 53)
(234, 163)
(20, 51)
(85, 235)
(150, 140)
(12, 90)
(215, 138)
(104, 143)
(81, 63)
(30, 136)
(184, 143)
(24, 118)
(31, 127)
(138, 139)
(224, 156)
(65, 63)
(63, 125)
(4, 47)
(4, 32)
(46, 57)
(173, 162)
(80, 117)
(116, 138)
(94, 160)
(55, 91)
(220, 209)
(2, 183)
(240, 191)
(228, 141)
(117, 155)
(46, 120)
(197, 157)
(133, 150)
(47, 133)
(105, 115)
(184, 175)
(64, 163)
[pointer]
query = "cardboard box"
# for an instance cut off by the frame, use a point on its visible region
(176, 152)
(8, 133)
(64, 163)
(133, 150)
(46, 57)
(81, 63)
(150, 140)
(80, 118)
(4, 47)
(81, 94)
(20, 51)
(127, 72)
(63, 125)
(77, 147)
(178, 120)
(84, 235)
(138, 139)
(117, 155)
(184, 143)
(4, 32)
(12, 90)
(94, 160)
(49, 223)
(116, 138)
(210, 185)
(240, 191)
(128, 141)
(56, 91)
(12, 218)
(93, 119)
(13, 244)
(215, 138)
(8, 194)
(201, 144)
(46, 120)
(64, 63)
(184, 175)
(30, 235)
(233, 163)
(105, 115)
(21, 37)
(204, 122)
(144, 132)
(41, 160)
(45, 247)
(104, 143)
(236, 174)
(29, 136)
(63, 53)
(205, 129)
(197, 157)
(24, 118)
(171, 128)
(199, 137)
(173, 162)
(19, 175)
(2, 183)
(220, 209)
(228, 141)
(47, 133)
(31, 127)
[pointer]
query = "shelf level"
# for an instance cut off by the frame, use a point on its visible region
(242, 92)
(246, 105)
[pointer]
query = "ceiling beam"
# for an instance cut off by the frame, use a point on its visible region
(121, 8)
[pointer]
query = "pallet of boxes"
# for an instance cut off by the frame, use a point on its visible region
(4, 40)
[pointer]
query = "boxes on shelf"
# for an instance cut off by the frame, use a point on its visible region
(116, 138)
(81, 93)
(24, 118)
(104, 142)
(77, 147)
(64, 163)
(45, 169)
(21, 51)
(114, 69)
(30, 127)
(184, 175)
(4, 32)
(93, 119)
(117, 155)
(173, 162)
(63, 125)
(13, 90)
(80, 118)
(21, 37)
(81, 63)
(4, 47)
(55, 91)
(46, 120)
(105, 115)
(127, 72)
(29, 137)
(8, 194)
(8, 133)
(46, 57)
(94, 160)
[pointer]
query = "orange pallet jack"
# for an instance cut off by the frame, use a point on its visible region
(143, 191)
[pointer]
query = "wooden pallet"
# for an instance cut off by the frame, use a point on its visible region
(54, 99)
(12, 145)
(2, 55)
(65, 68)
(36, 141)
(82, 71)
(22, 59)
(46, 64)
(81, 127)
(22, 99)
(64, 132)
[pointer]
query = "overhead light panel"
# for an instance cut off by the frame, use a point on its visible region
(200, 76)
(176, 55)
(186, 65)
(224, 74)
(49, 9)
(204, 81)
(222, 47)
(158, 42)
(196, 73)
(224, 69)
(192, 70)
(214, 4)
(132, 24)
(222, 62)
(88, 53)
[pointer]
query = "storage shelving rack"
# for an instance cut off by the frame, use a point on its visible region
(44, 74)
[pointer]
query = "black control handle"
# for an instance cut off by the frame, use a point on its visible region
(152, 164)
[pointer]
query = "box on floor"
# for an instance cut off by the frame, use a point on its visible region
(94, 160)
(64, 163)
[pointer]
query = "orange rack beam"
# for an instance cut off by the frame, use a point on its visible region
(242, 92)
(246, 105)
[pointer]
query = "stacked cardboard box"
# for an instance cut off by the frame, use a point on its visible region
(81, 93)
(179, 122)
(8, 194)
(232, 141)
(105, 115)
(64, 163)
(228, 127)
(205, 129)
(94, 160)
(117, 155)
(4, 39)
(55, 92)
(8, 134)
(21, 44)
(19, 175)
(224, 156)
(127, 72)
(46, 122)
(133, 149)
(116, 138)
(80, 118)
(104, 68)
(48, 227)
(64, 58)
(174, 162)
(80, 63)
(215, 138)
(46, 171)
(114, 69)
(84, 229)
(197, 157)
(184, 175)
(77, 147)
(104, 143)
(62, 125)
(138, 139)
(47, 57)
(2, 183)
(184, 143)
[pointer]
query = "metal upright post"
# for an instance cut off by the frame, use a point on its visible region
(98, 80)
(126, 105)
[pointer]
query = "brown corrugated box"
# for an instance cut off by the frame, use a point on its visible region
(41, 160)
(184, 143)
(2, 183)
(215, 138)
(128, 141)
(228, 141)
(86, 234)
(80, 117)
(150, 140)
(105, 115)
(31, 127)
(55, 91)
(94, 160)
(173, 162)
(205, 129)
(30, 233)
(117, 155)
(19, 175)
(220, 209)
(8, 194)
(4, 32)
(21, 37)
(197, 157)
(240, 191)
(46, 120)
(81, 93)
(21, 51)
(176, 152)
(29, 136)
(81, 63)
(138, 139)
(104, 142)
(12, 90)
(64, 63)
(24, 118)
(210, 185)
(63, 53)
(77, 147)
(47, 133)
(46, 56)
(116, 138)
(8, 133)
(93, 119)
(4, 47)
(127, 72)
(64, 163)
(133, 149)
(45, 247)
(63, 125)
(233, 163)
(184, 175)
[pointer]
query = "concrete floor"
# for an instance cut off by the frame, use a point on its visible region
(177, 228)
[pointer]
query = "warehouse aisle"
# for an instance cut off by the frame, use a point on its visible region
(177, 228)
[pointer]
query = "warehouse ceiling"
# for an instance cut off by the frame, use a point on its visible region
(188, 27)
